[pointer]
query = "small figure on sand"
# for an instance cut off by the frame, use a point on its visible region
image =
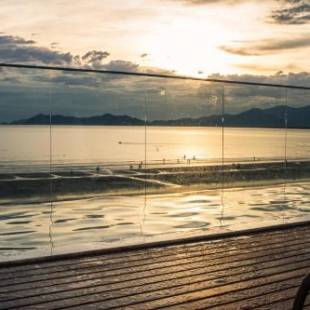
(98, 169)
(184, 157)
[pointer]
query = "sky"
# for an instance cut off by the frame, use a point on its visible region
(257, 40)
(188, 36)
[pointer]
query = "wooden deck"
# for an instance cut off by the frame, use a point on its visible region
(261, 270)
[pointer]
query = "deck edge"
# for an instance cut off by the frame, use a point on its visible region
(154, 244)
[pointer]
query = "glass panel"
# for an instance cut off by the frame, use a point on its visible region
(184, 149)
(254, 155)
(298, 153)
(98, 139)
(98, 160)
(24, 164)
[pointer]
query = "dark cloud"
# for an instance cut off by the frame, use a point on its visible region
(34, 55)
(94, 58)
(16, 49)
(13, 40)
(239, 97)
(268, 46)
(121, 65)
(292, 12)
(69, 79)
(93, 94)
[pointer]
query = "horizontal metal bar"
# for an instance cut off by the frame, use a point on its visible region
(154, 75)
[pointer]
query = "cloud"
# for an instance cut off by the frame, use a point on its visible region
(241, 51)
(254, 67)
(94, 58)
(94, 94)
(13, 40)
(268, 46)
(16, 49)
(121, 65)
(292, 12)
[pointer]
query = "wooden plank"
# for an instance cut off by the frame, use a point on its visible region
(66, 277)
(169, 273)
(199, 292)
(72, 292)
(166, 273)
(282, 305)
(165, 293)
(257, 297)
(266, 300)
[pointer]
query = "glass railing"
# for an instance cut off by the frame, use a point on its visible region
(95, 159)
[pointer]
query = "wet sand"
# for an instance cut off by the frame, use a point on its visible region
(66, 184)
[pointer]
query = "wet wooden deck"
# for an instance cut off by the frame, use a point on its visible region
(260, 270)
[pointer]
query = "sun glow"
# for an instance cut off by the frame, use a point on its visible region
(191, 48)
(190, 42)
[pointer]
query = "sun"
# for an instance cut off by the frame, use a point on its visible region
(189, 47)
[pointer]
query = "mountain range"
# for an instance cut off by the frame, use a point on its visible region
(264, 118)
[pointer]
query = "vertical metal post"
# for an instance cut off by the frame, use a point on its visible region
(285, 124)
(50, 172)
(223, 151)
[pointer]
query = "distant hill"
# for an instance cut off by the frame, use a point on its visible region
(106, 119)
(265, 118)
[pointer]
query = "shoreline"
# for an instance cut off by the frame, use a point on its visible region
(42, 187)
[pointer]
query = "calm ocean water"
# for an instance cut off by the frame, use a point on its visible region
(42, 228)
(30, 145)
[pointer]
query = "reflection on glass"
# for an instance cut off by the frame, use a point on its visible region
(297, 152)
(254, 150)
(184, 155)
(96, 160)
(25, 178)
